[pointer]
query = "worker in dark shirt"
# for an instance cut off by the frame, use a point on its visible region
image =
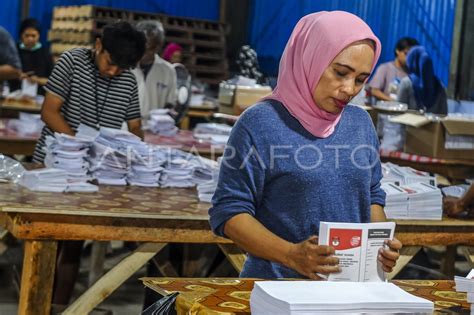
(36, 60)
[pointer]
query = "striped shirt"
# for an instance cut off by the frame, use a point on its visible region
(89, 98)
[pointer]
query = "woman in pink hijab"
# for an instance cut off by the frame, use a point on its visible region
(305, 155)
(173, 53)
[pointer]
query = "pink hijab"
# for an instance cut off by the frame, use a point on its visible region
(316, 40)
(170, 49)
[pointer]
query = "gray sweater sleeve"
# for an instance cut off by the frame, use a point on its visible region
(8, 51)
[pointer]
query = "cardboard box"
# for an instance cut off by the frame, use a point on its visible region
(246, 96)
(428, 139)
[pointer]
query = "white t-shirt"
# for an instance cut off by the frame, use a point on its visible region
(159, 87)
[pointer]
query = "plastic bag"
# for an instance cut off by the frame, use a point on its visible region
(10, 169)
(164, 306)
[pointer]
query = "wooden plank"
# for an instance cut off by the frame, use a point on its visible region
(37, 277)
(42, 226)
(436, 238)
(468, 252)
(99, 249)
(235, 255)
(113, 279)
(406, 255)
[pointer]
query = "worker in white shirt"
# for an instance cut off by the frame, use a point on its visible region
(156, 77)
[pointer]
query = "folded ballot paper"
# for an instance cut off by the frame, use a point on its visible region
(357, 246)
(53, 180)
(396, 201)
(325, 297)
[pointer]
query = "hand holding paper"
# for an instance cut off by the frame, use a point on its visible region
(310, 259)
(389, 255)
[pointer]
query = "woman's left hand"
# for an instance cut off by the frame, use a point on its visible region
(388, 255)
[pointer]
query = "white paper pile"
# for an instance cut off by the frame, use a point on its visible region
(425, 202)
(326, 297)
(161, 123)
(396, 202)
(53, 180)
(206, 177)
(146, 168)
(212, 132)
(70, 154)
(26, 124)
(406, 175)
(108, 166)
(177, 173)
(466, 285)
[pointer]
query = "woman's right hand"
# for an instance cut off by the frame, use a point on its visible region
(308, 258)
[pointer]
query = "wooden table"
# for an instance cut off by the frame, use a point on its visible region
(114, 213)
(184, 140)
(232, 296)
(12, 142)
(138, 214)
(19, 106)
(414, 234)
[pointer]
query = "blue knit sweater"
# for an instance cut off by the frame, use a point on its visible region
(290, 180)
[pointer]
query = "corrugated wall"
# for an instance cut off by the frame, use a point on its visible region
(429, 21)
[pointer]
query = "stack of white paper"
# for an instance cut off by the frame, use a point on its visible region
(146, 169)
(206, 177)
(213, 128)
(405, 175)
(322, 297)
(26, 124)
(425, 202)
(177, 173)
(108, 166)
(69, 154)
(212, 132)
(396, 202)
(162, 123)
(53, 180)
(466, 285)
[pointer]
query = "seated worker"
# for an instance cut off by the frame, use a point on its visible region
(421, 89)
(454, 206)
(384, 83)
(10, 65)
(156, 78)
(94, 87)
(173, 53)
(36, 60)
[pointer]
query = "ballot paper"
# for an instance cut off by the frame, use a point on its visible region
(26, 124)
(465, 284)
(403, 175)
(425, 202)
(29, 88)
(396, 201)
(53, 180)
(357, 246)
(326, 297)
(160, 122)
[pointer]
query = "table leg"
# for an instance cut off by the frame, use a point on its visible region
(99, 249)
(113, 279)
(406, 254)
(447, 266)
(235, 255)
(37, 277)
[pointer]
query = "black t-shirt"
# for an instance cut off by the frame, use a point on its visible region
(39, 61)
